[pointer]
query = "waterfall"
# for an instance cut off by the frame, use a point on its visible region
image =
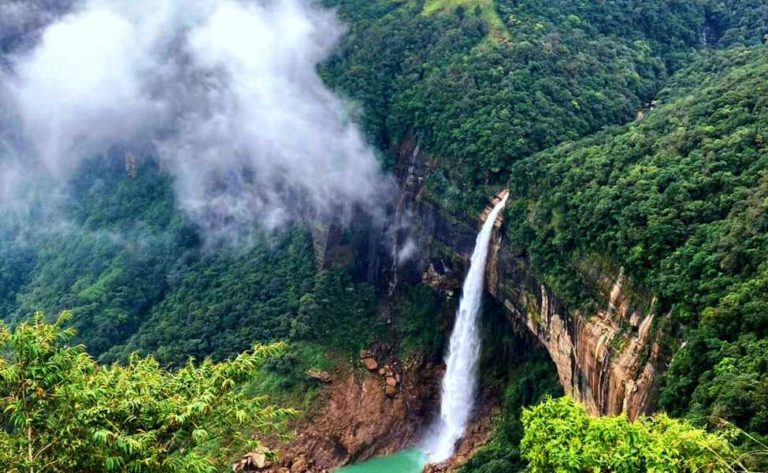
(460, 380)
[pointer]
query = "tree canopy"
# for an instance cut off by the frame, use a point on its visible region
(560, 436)
(63, 412)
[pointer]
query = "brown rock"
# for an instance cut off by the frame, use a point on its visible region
(321, 376)
(382, 371)
(299, 465)
(391, 381)
(253, 461)
(390, 390)
(370, 363)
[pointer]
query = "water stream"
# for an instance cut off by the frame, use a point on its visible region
(460, 381)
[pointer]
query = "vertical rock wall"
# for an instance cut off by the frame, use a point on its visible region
(608, 359)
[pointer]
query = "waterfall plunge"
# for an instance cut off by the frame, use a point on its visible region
(459, 383)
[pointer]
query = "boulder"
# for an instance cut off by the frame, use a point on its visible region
(391, 381)
(390, 390)
(253, 461)
(299, 465)
(370, 363)
(319, 375)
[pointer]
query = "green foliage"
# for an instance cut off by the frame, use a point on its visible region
(339, 314)
(104, 253)
(418, 322)
(63, 412)
(485, 9)
(736, 22)
(561, 71)
(136, 276)
(712, 380)
(560, 436)
(226, 300)
(531, 380)
(285, 376)
(679, 200)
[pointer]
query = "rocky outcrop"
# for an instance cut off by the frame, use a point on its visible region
(365, 413)
(608, 359)
(354, 244)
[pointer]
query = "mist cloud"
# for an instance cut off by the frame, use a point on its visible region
(224, 92)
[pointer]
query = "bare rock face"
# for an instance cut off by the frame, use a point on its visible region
(608, 359)
(362, 415)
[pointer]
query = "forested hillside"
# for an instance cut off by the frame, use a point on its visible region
(678, 200)
(482, 95)
(137, 275)
(632, 135)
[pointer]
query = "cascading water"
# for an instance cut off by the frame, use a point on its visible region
(459, 383)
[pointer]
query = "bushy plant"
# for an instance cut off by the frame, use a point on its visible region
(561, 437)
(62, 412)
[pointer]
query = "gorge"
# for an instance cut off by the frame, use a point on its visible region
(304, 236)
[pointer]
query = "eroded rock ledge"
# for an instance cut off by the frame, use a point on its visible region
(608, 360)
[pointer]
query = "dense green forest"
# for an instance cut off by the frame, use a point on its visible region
(616, 444)
(555, 72)
(678, 200)
(633, 133)
(137, 275)
(62, 413)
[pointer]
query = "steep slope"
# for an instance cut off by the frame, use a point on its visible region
(480, 102)
(677, 201)
(618, 243)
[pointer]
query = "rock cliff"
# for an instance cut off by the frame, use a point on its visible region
(609, 359)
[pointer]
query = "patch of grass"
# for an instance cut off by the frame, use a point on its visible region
(485, 9)
(285, 377)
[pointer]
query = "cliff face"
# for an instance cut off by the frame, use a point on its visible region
(608, 359)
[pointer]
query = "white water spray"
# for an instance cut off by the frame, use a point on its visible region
(459, 383)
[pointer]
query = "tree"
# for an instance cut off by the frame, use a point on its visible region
(63, 412)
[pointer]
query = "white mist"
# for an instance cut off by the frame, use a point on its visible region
(460, 381)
